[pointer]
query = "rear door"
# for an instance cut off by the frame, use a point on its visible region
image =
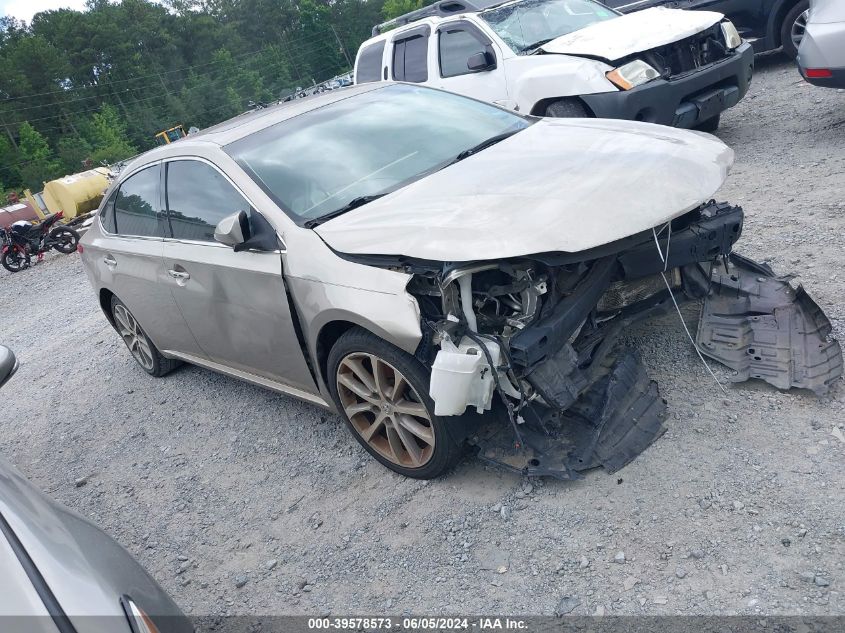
(129, 259)
(235, 303)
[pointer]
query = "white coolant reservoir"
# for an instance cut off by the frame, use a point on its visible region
(462, 377)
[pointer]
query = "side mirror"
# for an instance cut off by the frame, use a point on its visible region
(481, 61)
(233, 230)
(8, 364)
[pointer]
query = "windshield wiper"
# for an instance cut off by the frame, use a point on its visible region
(537, 45)
(352, 204)
(483, 145)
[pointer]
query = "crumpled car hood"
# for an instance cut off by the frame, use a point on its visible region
(633, 33)
(559, 185)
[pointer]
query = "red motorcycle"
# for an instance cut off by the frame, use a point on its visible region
(22, 240)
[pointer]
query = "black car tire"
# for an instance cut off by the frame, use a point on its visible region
(567, 109)
(792, 15)
(710, 125)
(159, 365)
(68, 238)
(449, 432)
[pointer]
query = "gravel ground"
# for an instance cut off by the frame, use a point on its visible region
(241, 501)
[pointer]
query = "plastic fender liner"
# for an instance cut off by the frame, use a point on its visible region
(534, 343)
(614, 421)
(761, 327)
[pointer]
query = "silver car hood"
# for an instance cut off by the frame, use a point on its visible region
(559, 185)
(633, 33)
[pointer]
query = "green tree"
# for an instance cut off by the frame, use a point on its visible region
(37, 162)
(105, 133)
(395, 8)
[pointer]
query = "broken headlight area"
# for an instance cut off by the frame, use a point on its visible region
(535, 341)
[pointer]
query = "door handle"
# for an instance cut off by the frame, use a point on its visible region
(177, 274)
(109, 261)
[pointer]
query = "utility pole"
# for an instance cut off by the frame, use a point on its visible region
(342, 47)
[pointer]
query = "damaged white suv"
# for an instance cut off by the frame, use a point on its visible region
(438, 269)
(568, 58)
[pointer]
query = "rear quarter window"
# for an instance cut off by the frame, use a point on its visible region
(369, 63)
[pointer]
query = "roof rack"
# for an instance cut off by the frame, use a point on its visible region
(441, 9)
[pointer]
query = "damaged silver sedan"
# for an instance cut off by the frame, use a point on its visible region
(441, 272)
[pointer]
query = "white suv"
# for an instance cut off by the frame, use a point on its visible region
(568, 58)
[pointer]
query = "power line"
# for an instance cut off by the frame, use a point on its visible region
(124, 103)
(152, 75)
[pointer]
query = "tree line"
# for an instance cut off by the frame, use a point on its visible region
(100, 83)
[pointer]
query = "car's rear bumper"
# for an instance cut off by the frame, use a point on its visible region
(835, 80)
(684, 102)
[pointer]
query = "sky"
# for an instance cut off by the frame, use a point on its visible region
(25, 9)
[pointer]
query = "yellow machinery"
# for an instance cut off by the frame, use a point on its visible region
(166, 137)
(76, 194)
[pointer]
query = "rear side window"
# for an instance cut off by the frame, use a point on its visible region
(107, 214)
(197, 198)
(410, 59)
(369, 63)
(456, 47)
(136, 204)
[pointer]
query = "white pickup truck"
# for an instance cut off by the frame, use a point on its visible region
(568, 58)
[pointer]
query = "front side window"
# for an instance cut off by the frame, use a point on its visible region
(369, 63)
(457, 45)
(136, 204)
(410, 59)
(317, 163)
(197, 198)
(525, 25)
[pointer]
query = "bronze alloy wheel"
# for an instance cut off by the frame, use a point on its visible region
(385, 410)
(133, 336)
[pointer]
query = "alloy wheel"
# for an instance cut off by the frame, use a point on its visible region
(385, 410)
(799, 27)
(134, 337)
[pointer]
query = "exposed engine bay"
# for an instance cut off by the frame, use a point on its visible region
(534, 340)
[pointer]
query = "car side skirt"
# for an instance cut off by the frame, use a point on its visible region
(261, 381)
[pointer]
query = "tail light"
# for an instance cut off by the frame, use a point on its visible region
(818, 73)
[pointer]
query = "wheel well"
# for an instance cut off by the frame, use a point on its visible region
(105, 303)
(784, 8)
(539, 108)
(325, 341)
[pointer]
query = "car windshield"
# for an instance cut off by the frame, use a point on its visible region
(316, 164)
(525, 25)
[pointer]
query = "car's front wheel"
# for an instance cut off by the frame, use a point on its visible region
(382, 393)
(710, 125)
(140, 346)
(567, 109)
(793, 28)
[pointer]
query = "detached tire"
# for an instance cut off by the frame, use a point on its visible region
(567, 109)
(143, 350)
(710, 125)
(793, 27)
(382, 394)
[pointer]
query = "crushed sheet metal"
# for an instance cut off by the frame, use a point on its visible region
(633, 33)
(762, 327)
(612, 423)
(559, 185)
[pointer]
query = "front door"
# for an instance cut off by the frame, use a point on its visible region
(456, 42)
(235, 303)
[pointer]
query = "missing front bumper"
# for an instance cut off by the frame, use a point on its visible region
(599, 406)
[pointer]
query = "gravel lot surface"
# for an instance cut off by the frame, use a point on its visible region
(241, 501)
